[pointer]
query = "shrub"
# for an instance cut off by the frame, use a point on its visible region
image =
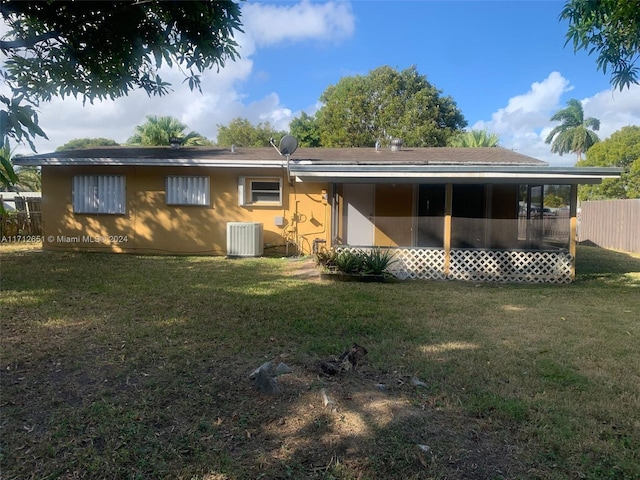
(326, 258)
(377, 261)
(374, 262)
(349, 261)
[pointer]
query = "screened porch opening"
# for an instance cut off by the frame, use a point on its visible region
(502, 232)
(524, 217)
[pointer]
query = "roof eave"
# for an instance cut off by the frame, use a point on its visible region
(137, 162)
(454, 174)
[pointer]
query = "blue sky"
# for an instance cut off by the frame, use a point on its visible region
(503, 62)
(479, 52)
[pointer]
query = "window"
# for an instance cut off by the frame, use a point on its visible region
(99, 194)
(187, 191)
(260, 191)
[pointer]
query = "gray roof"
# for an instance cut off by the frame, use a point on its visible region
(208, 155)
(422, 165)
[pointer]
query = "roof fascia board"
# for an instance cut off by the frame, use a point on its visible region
(383, 170)
(379, 175)
(551, 180)
(137, 162)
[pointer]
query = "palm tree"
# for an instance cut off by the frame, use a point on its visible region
(475, 138)
(573, 134)
(159, 131)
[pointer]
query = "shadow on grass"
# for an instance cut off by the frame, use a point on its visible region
(594, 263)
(124, 366)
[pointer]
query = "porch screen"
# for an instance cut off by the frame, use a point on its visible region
(99, 194)
(183, 190)
(431, 208)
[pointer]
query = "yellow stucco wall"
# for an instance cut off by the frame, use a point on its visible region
(152, 226)
(394, 215)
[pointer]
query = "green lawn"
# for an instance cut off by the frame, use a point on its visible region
(122, 366)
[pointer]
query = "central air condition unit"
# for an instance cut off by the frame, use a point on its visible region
(244, 239)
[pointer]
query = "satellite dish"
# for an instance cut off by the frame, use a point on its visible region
(288, 145)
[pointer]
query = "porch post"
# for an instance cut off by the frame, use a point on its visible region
(573, 224)
(448, 202)
(336, 215)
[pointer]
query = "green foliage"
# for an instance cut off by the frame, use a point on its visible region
(633, 180)
(306, 130)
(553, 201)
(326, 258)
(621, 149)
(385, 104)
(158, 131)
(573, 134)
(377, 261)
(612, 29)
(8, 176)
(29, 179)
(241, 133)
(104, 50)
(18, 122)
(474, 139)
(87, 143)
(349, 261)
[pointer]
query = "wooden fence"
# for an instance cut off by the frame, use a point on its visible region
(611, 224)
(24, 221)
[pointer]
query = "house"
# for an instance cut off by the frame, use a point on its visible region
(459, 213)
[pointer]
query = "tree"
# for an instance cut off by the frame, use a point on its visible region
(385, 104)
(475, 138)
(241, 133)
(20, 179)
(556, 196)
(99, 50)
(8, 177)
(612, 29)
(621, 149)
(160, 130)
(87, 143)
(29, 179)
(553, 201)
(573, 134)
(306, 130)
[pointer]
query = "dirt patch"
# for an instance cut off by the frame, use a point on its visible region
(372, 425)
(304, 268)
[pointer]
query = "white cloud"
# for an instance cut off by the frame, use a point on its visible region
(271, 24)
(524, 123)
(614, 109)
(531, 109)
(222, 99)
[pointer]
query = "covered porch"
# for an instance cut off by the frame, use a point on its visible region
(459, 222)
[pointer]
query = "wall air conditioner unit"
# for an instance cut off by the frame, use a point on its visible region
(244, 239)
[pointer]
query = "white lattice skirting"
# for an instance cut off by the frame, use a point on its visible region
(480, 265)
(511, 266)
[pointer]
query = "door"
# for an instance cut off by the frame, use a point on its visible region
(358, 212)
